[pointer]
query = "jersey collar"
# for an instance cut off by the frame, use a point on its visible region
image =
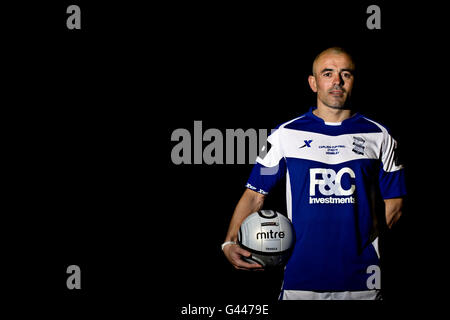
(332, 124)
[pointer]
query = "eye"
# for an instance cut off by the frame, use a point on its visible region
(347, 75)
(327, 74)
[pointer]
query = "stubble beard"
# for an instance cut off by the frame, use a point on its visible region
(335, 105)
(338, 104)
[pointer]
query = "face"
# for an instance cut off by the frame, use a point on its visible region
(332, 79)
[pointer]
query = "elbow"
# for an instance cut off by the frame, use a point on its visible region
(256, 199)
(393, 211)
(393, 218)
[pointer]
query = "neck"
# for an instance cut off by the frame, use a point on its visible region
(328, 114)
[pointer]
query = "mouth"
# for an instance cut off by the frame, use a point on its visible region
(337, 93)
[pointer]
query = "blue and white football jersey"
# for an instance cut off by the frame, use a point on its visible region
(332, 171)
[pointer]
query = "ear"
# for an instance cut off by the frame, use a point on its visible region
(312, 83)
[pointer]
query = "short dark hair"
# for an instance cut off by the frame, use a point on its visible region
(338, 50)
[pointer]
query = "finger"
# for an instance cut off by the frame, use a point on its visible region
(249, 270)
(243, 264)
(238, 263)
(243, 252)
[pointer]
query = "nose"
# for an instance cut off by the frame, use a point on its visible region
(338, 80)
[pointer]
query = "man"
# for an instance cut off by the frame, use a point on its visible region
(334, 163)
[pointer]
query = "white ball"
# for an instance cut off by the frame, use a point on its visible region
(269, 236)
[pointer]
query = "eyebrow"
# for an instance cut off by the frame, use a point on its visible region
(345, 69)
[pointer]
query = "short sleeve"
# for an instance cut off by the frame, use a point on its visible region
(270, 169)
(392, 173)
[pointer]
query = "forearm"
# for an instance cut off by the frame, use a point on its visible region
(393, 210)
(250, 202)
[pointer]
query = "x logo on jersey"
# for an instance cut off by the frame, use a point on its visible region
(307, 144)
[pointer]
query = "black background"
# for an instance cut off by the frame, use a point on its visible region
(88, 134)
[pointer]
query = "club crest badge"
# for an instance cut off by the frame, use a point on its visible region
(358, 145)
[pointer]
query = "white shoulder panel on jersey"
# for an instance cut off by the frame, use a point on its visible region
(273, 157)
(388, 148)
